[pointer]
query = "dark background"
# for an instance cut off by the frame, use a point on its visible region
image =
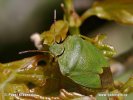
(21, 18)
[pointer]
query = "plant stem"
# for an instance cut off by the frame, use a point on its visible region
(74, 30)
(72, 17)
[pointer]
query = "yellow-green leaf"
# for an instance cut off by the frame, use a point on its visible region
(57, 33)
(128, 86)
(10, 92)
(22, 71)
(47, 38)
(117, 10)
(59, 29)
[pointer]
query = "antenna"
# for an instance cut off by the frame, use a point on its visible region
(54, 23)
(54, 15)
(27, 51)
(34, 51)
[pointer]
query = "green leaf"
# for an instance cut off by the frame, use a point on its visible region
(106, 49)
(80, 57)
(117, 10)
(57, 33)
(59, 29)
(128, 86)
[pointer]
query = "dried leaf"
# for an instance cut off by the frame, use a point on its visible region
(106, 78)
(64, 95)
(118, 95)
(10, 92)
(16, 72)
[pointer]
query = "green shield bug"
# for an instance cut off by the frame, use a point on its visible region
(80, 60)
